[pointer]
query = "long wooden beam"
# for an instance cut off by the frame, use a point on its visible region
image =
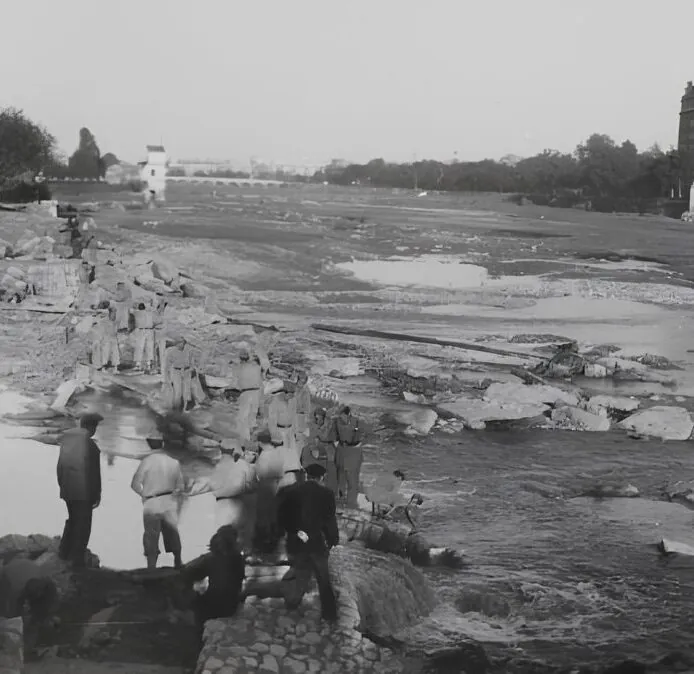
(403, 337)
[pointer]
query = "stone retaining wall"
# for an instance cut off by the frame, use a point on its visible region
(265, 637)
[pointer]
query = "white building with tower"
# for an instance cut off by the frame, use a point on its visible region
(153, 172)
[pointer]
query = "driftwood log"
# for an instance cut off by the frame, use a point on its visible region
(403, 337)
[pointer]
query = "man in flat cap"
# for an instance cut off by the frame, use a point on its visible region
(306, 513)
(79, 479)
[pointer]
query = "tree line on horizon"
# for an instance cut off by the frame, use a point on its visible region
(600, 173)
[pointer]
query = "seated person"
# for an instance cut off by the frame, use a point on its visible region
(384, 493)
(225, 569)
(407, 513)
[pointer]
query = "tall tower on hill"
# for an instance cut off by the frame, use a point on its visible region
(685, 141)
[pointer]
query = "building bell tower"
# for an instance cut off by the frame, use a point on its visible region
(685, 140)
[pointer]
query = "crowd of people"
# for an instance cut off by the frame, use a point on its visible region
(256, 508)
(281, 477)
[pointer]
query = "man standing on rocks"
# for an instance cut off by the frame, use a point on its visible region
(349, 456)
(249, 380)
(302, 397)
(79, 479)
(321, 449)
(144, 338)
(281, 417)
(159, 482)
(121, 304)
(306, 513)
(105, 351)
(179, 361)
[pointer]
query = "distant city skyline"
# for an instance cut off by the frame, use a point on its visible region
(300, 83)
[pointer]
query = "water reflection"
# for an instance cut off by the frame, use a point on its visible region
(30, 500)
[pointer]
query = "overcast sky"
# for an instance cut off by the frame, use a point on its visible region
(302, 81)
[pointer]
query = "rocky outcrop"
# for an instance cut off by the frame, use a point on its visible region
(508, 401)
(668, 423)
(380, 599)
(630, 370)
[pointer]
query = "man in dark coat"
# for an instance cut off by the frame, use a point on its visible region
(306, 513)
(79, 479)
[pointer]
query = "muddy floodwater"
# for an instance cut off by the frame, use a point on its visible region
(564, 579)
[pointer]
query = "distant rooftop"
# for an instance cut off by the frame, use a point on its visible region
(155, 148)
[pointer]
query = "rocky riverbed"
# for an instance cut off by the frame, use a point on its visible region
(577, 331)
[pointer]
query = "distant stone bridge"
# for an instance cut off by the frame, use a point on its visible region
(238, 182)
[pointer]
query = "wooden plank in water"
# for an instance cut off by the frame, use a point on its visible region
(402, 337)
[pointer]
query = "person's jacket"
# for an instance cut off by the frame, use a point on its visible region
(79, 467)
(349, 431)
(307, 507)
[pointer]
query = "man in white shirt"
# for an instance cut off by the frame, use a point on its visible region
(160, 483)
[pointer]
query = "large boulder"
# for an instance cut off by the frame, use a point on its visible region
(11, 646)
(164, 270)
(195, 290)
(631, 370)
(5, 249)
(613, 405)
(524, 394)
(34, 545)
(419, 420)
(681, 492)
(475, 413)
(668, 423)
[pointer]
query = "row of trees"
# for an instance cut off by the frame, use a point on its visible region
(27, 148)
(599, 169)
(611, 176)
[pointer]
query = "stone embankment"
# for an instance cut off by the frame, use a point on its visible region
(264, 637)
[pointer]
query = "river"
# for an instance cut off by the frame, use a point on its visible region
(563, 579)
